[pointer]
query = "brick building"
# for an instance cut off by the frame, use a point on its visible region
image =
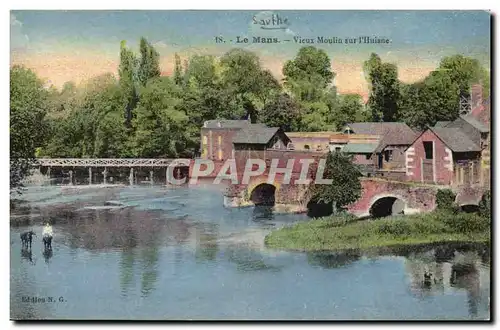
(217, 138)
(454, 152)
(437, 153)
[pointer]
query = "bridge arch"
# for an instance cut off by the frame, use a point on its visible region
(316, 209)
(386, 205)
(263, 193)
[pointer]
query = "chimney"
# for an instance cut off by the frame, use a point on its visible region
(476, 95)
(476, 100)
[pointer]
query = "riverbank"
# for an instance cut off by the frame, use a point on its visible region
(347, 232)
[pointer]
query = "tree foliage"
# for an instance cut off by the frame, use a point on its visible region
(149, 65)
(142, 114)
(127, 72)
(27, 121)
(283, 111)
(345, 187)
(384, 93)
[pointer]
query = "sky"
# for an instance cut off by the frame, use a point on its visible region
(76, 45)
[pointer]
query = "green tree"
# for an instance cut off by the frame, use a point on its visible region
(127, 71)
(317, 117)
(249, 85)
(178, 74)
(92, 127)
(464, 71)
(350, 109)
(384, 85)
(310, 65)
(282, 112)
(149, 65)
(160, 128)
(435, 99)
(345, 188)
(27, 122)
(308, 74)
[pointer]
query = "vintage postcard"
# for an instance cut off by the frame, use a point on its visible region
(250, 165)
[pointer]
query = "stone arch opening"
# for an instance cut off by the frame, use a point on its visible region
(470, 208)
(263, 194)
(386, 206)
(316, 209)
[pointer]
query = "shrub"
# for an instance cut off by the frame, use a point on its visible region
(465, 222)
(445, 199)
(429, 225)
(485, 205)
(395, 228)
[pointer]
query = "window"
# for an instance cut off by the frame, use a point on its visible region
(290, 146)
(205, 139)
(368, 156)
(428, 148)
(338, 149)
(306, 147)
(347, 130)
(319, 148)
(220, 140)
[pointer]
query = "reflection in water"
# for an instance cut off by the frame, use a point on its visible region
(444, 268)
(262, 213)
(206, 245)
(247, 260)
(126, 269)
(27, 255)
(163, 260)
(466, 276)
(47, 254)
(150, 256)
(332, 260)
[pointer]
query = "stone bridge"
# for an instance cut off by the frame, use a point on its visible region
(379, 197)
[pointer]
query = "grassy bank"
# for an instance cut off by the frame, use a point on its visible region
(345, 232)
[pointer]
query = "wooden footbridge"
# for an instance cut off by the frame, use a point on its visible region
(105, 163)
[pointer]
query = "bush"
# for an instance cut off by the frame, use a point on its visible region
(430, 224)
(394, 228)
(465, 222)
(485, 205)
(445, 199)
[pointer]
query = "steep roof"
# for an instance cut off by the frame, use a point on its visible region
(442, 123)
(476, 123)
(396, 133)
(455, 139)
(255, 134)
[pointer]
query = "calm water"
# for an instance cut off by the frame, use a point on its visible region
(178, 254)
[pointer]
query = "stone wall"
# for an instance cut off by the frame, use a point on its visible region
(416, 198)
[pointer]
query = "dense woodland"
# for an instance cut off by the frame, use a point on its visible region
(143, 114)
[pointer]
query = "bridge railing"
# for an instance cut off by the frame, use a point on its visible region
(111, 162)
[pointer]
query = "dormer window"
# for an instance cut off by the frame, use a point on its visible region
(348, 130)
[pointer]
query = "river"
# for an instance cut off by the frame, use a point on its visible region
(177, 253)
